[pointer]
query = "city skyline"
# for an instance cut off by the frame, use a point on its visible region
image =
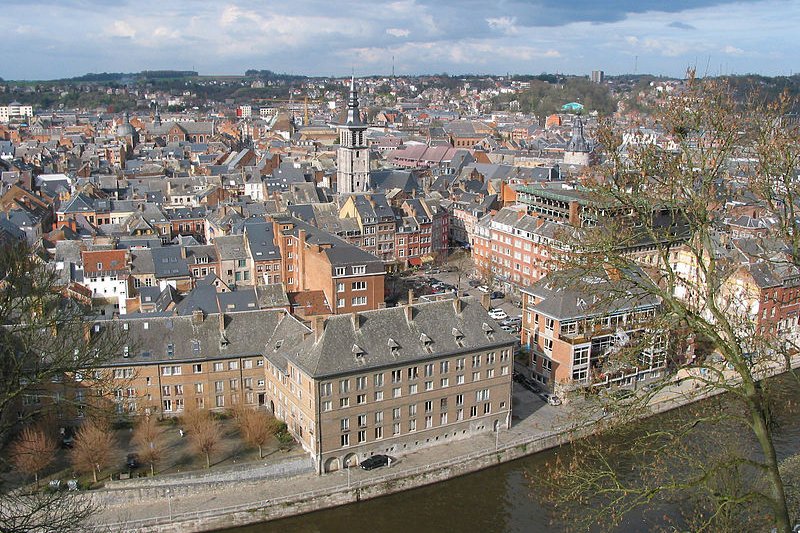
(412, 37)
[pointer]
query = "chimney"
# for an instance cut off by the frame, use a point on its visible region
(222, 323)
(457, 305)
(318, 327)
(197, 316)
(410, 296)
(486, 300)
(409, 312)
(301, 238)
(356, 321)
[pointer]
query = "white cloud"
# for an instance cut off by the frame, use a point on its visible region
(120, 28)
(506, 25)
(733, 51)
(398, 32)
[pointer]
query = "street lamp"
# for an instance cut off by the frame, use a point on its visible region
(169, 503)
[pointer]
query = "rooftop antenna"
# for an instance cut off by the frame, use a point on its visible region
(392, 66)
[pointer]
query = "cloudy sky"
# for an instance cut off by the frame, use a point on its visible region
(46, 39)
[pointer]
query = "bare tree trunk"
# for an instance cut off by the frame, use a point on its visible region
(94, 474)
(260, 452)
(152, 469)
(778, 499)
(208, 460)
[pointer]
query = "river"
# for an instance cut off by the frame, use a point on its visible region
(500, 499)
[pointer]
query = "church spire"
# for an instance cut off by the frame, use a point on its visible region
(353, 112)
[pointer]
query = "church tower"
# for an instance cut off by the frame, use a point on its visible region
(352, 157)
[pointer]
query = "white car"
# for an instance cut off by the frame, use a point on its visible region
(483, 288)
(498, 314)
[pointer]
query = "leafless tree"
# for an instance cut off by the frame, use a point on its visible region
(94, 448)
(204, 432)
(45, 512)
(148, 437)
(256, 428)
(33, 450)
(675, 200)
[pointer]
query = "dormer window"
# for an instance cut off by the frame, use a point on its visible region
(358, 351)
(458, 336)
(487, 330)
(426, 342)
(393, 346)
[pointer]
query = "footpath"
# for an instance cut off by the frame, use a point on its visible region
(292, 488)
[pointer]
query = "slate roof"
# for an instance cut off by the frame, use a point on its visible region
(573, 295)
(245, 334)
(333, 354)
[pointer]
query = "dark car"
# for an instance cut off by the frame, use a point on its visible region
(498, 294)
(132, 461)
(376, 461)
(474, 283)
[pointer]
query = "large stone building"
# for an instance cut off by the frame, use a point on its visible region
(390, 380)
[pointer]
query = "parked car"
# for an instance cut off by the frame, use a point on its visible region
(474, 283)
(498, 294)
(132, 461)
(512, 321)
(483, 288)
(498, 314)
(509, 329)
(376, 461)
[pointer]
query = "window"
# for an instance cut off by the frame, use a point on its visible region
(198, 388)
(412, 389)
(487, 408)
(429, 385)
(220, 401)
(219, 386)
(397, 376)
(476, 376)
(378, 380)
(378, 432)
(396, 413)
(233, 365)
(444, 367)
(396, 428)
(346, 439)
(428, 421)
(413, 372)
(460, 363)
(327, 405)
(340, 302)
(459, 399)
(412, 410)
(396, 392)
(460, 379)
(362, 269)
(481, 395)
(379, 417)
(361, 399)
(167, 406)
(344, 402)
(234, 384)
(165, 390)
(476, 361)
(340, 287)
(340, 271)
(445, 382)
(344, 424)
(362, 421)
(218, 367)
(489, 373)
(428, 370)
(344, 386)
(325, 389)
(429, 406)
(197, 369)
(359, 286)
(490, 358)
(473, 411)
(361, 383)
(379, 396)
(460, 414)
(359, 300)
(178, 390)
(412, 425)
(248, 363)
(362, 436)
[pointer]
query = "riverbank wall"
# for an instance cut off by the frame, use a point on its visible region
(393, 480)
